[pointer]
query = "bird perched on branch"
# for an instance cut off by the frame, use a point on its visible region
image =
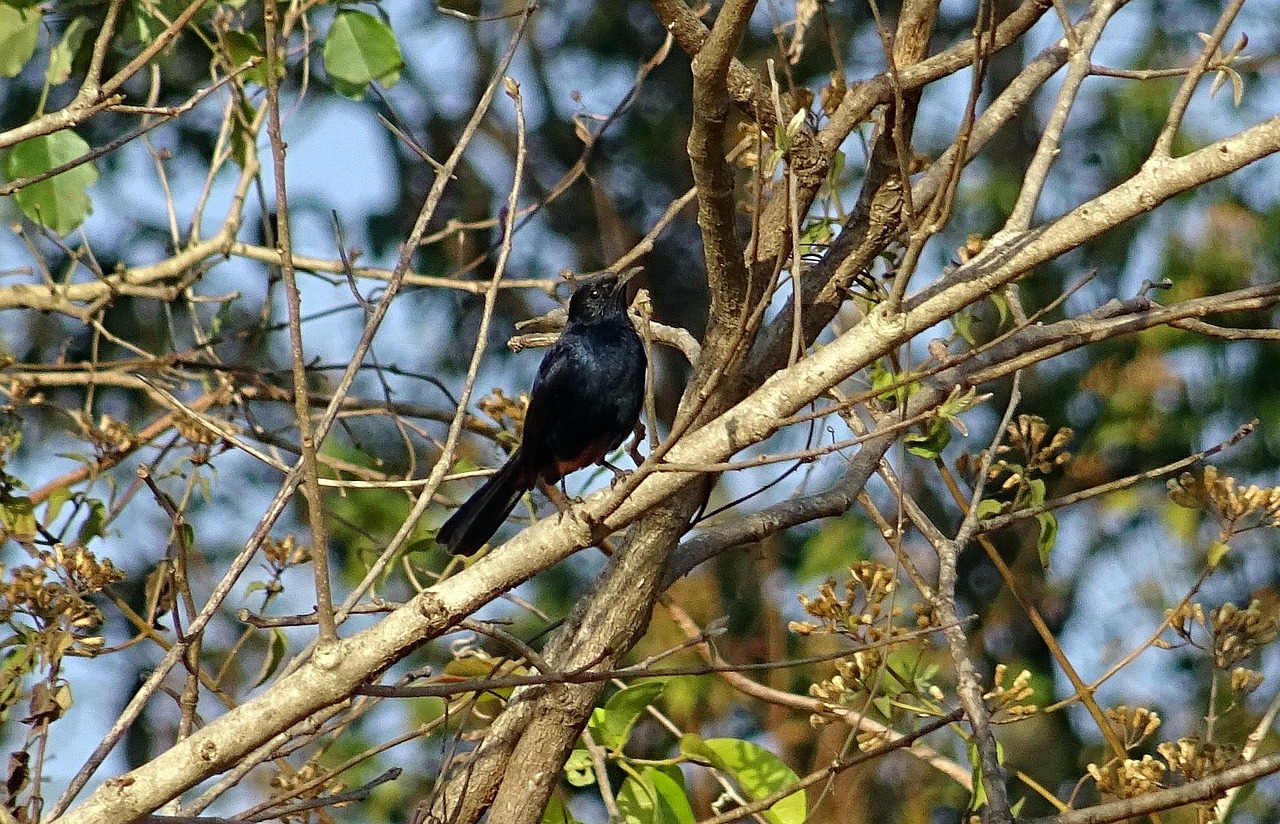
(585, 401)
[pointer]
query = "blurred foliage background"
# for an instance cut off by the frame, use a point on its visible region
(1132, 404)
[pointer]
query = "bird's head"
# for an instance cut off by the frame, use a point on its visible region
(600, 298)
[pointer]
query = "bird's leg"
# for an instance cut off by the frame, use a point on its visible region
(634, 449)
(559, 497)
(565, 508)
(618, 474)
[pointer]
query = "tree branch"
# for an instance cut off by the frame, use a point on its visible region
(1206, 789)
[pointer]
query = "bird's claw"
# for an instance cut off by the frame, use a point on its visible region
(618, 474)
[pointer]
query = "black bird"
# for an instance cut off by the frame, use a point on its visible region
(585, 401)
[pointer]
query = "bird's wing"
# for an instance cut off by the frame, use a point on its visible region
(556, 375)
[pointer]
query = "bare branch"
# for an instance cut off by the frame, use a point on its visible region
(1206, 789)
(1079, 64)
(1178, 109)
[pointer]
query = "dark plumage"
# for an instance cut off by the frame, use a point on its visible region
(585, 401)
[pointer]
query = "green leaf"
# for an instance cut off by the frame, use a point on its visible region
(979, 798)
(420, 546)
(838, 543)
(57, 499)
(611, 725)
(1002, 306)
(817, 233)
(243, 47)
(361, 49)
(988, 507)
(760, 773)
(18, 515)
(975, 759)
(930, 444)
(93, 525)
(1048, 536)
(656, 798)
(579, 769)
(962, 322)
(275, 654)
(557, 813)
(225, 313)
(19, 30)
(64, 54)
(835, 171)
(797, 120)
(1217, 551)
(673, 800)
(244, 143)
(882, 378)
(692, 746)
(60, 203)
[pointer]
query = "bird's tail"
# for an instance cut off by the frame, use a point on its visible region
(480, 515)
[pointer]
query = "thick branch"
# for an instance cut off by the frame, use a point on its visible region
(743, 85)
(523, 748)
(1026, 347)
(874, 222)
(727, 277)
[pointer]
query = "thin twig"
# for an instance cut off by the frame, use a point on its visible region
(1178, 108)
(308, 443)
(1204, 789)
(968, 687)
(1047, 149)
(997, 522)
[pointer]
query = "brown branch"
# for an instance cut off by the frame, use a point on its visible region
(1205, 789)
(162, 116)
(1210, 330)
(1047, 150)
(102, 463)
(587, 675)
(744, 86)
(92, 97)
(968, 682)
(734, 678)
(308, 442)
(146, 798)
(1031, 345)
(873, 224)
(149, 281)
(358, 794)
(334, 266)
(997, 522)
(1181, 100)
(863, 97)
(727, 276)
(839, 766)
(676, 337)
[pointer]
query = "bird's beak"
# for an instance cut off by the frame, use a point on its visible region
(627, 275)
